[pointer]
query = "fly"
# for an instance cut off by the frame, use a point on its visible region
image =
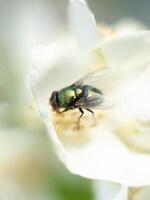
(81, 95)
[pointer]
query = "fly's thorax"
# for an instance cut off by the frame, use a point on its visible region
(79, 92)
(67, 96)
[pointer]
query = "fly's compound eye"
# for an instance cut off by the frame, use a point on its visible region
(53, 101)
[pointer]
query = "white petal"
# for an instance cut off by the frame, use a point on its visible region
(54, 66)
(142, 194)
(110, 191)
(128, 25)
(13, 143)
(130, 50)
(83, 26)
(131, 91)
(132, 96)
(108, 159)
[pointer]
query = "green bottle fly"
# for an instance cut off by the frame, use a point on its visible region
(80, 95)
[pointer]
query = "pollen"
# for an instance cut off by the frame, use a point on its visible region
(66, 127)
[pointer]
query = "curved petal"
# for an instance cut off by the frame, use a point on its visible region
(129, 50)
(108, 159)
(54, 66)
(142, 194)
(110, 191)
(128, 25)
(83, 26)
(131, 90)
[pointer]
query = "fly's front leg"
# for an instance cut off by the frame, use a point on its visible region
(61, 112)
(93, 114)
(64, 110)
(78, 122)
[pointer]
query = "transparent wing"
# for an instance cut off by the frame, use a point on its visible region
(94, 102)
(95, 75)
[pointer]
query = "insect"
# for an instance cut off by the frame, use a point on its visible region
(82, 95)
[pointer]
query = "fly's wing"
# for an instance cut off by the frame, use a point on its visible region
(95, 101)
(96, 75)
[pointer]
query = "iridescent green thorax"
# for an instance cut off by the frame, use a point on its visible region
(68, 95)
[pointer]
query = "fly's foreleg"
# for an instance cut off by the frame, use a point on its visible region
(65, 110)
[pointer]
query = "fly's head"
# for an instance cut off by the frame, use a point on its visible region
(53, 101)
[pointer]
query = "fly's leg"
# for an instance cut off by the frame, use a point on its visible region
(78, 122)
(64, 110)
(93, 114)
(91, 111)
(61, 112)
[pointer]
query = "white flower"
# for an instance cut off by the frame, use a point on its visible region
(121, 27)
(117, 148)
